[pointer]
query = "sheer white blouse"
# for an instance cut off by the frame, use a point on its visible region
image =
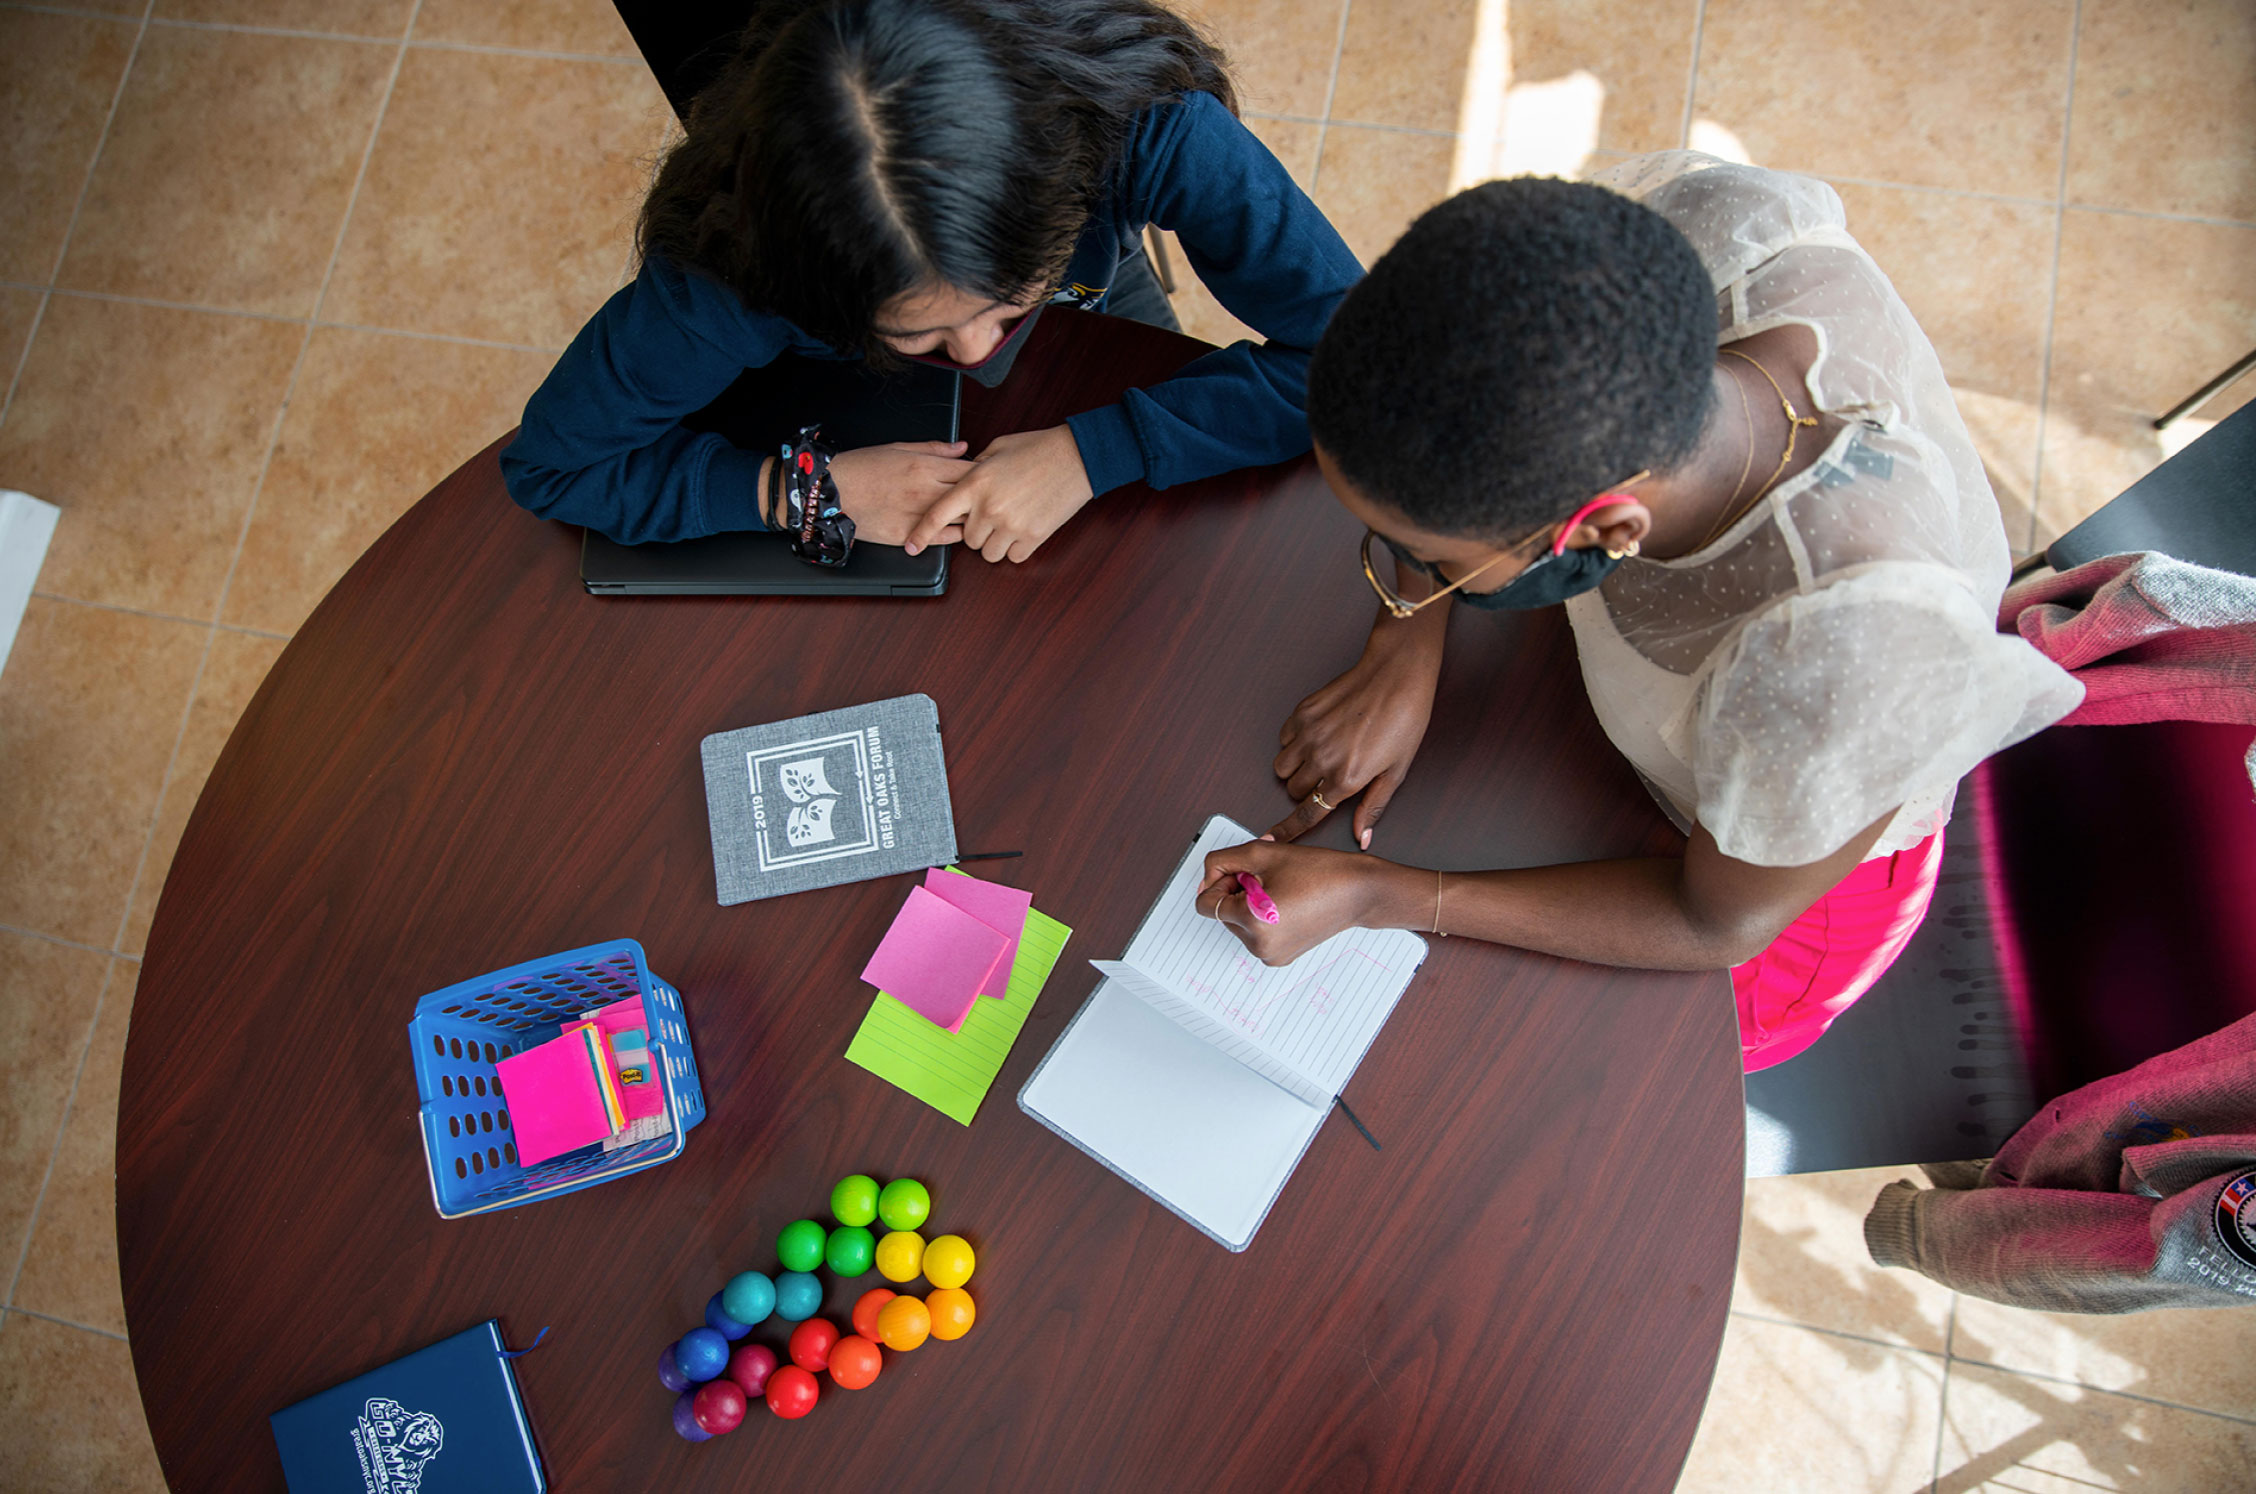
(1834, 653)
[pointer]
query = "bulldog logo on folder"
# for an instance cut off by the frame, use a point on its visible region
(837, 797)
(394, 1445)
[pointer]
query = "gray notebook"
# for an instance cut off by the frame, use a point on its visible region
(841, 796)
(1201, 1075)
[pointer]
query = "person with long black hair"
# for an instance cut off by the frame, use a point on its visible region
(917, 179)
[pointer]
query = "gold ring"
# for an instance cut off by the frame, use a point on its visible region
(1316, 797)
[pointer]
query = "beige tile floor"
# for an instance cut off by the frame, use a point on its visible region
(270, 268)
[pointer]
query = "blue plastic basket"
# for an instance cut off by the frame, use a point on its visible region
(460, 1033)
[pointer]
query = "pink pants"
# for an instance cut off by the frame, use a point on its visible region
(1791, 992)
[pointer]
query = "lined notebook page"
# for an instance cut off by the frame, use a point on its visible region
(1304, 1026)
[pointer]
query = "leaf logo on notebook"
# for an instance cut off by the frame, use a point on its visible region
(809, 824)
(394, 1445)
(806, 779)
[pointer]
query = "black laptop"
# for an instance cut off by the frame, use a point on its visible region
(759, 412)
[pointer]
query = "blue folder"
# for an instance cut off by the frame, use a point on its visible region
(444, 1418)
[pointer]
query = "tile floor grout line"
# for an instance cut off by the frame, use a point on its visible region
(266, 465)
(70, 1102)
(275, 316)
(1692, 74)
(120, 16)
(48, 1317)
(1860, 1338)
(2052, 289)
(23, 355)
(494, 51)
(2128, 1395)
(2155, 214)
(473, 342)
(78, 207)
(101, 143)
(1331, 90)
(194, 622)
(182, 23)
(11, 928)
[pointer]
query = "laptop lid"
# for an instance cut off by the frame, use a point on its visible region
(759, 412)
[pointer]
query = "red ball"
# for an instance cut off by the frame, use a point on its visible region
(854, 1362)
(792, 1392)
(719, 1406)
(750, 1365)
(811, 1343)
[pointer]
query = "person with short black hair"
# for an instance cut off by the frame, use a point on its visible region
(918, 179)
(1684, 402)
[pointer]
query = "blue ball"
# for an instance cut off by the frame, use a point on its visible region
(748, 1298)
(798, 1296)
(701, 1354)
(685, 1419)
(669, 1373)
(717, 1319)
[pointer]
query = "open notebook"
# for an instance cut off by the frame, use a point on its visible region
(1201, 1075)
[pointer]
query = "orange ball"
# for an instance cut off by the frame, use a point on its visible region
(951, 1311)
(867, 1307)
(854, 1362)
(903, 1324)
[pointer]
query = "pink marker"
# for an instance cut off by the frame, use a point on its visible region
(1257, 898)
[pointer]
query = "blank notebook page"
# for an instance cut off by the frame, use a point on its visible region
(1304, 1026)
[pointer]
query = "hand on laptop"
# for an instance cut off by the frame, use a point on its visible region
(886, 489)
(1022, 487)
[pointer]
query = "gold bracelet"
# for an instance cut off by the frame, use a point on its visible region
(1437, 903)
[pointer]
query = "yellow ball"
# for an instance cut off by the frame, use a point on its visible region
(948, 1261)
(900, 1255)
(951, 1312)
(902, 1324)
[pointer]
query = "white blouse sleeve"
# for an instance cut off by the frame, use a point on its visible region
(1837, 705)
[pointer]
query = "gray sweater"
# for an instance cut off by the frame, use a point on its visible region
(2136, 1191)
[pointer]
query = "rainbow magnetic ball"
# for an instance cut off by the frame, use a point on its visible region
(701, 1354)
(798, 1296)
(749, 1298)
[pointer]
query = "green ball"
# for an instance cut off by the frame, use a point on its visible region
(850, 1251)
(800, 1246)
(854, 1200)
(904, 1204)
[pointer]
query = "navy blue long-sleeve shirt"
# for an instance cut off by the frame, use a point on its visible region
(603, 445)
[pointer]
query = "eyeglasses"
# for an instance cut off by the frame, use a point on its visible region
(1398, 605)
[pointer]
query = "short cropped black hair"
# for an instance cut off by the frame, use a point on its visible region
(1526, 343)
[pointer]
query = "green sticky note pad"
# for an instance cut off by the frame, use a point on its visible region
(951, 1071)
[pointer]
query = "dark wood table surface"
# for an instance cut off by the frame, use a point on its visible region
(463, 761)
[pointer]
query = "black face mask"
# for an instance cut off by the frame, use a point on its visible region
(1551, 579)
(990, 370)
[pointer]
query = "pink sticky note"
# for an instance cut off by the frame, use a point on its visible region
(934, 959)
(1001, 908)
(554, 1105)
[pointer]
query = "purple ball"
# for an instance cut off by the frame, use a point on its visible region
(669, 1373)
(685, 1418)
(701, 1353)
(717, 1319)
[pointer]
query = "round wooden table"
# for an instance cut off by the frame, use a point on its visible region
(464, 761)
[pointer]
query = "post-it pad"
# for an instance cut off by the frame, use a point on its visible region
(554, 1103)
(935, 959)
(1001, 908)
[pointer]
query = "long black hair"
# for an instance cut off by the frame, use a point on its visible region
(856, 149)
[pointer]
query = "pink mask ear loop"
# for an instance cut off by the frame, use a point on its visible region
(1559, 545)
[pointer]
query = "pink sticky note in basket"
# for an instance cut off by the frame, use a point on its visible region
(935, 959)
(1001, 908)
(554, 1105)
